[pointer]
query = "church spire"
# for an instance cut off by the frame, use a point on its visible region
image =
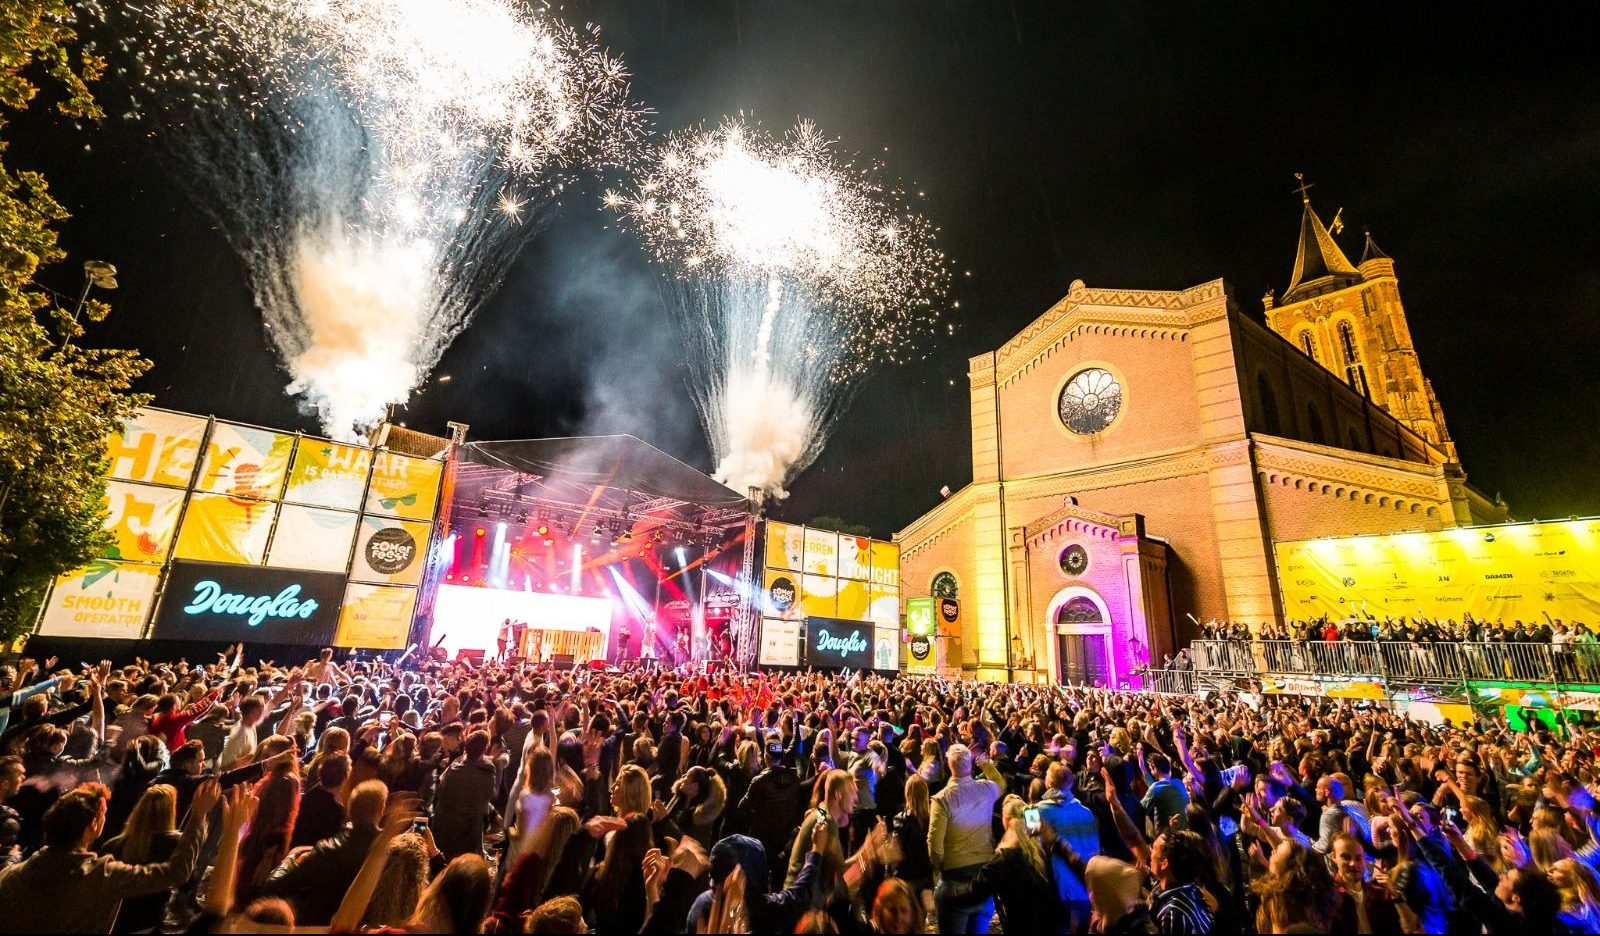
(1319, 257)
(1372, 251)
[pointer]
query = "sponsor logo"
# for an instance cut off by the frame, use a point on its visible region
(949, 610)
(782, 594)
(844, 646)
(209, 598)
(1498, 575)
(920, 648)
(391, 550)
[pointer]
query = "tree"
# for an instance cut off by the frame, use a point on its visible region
(837, 525)
(58, 406)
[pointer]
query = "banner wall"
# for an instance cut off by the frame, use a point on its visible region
(105, 599)
(1495, 573)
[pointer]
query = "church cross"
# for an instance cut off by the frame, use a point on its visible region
(1303, 187)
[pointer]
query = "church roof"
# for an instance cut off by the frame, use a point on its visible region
(1319, 258)
(1372, 251)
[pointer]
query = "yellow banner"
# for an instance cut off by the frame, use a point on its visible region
(375, 617)
(822, 552)
(403, 486)
(855, 557)
(143, 518)
(328, 474)
(855, 601)
(156, 447)
(244, 461)
(884, 607)
(217, 528)
(312, 538)
(885, 565)
(819, 596)
(785, 545)
(1505, 573)
(105, 599)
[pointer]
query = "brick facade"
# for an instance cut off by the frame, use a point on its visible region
(1227, 439)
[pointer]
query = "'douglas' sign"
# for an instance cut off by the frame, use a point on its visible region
(212, 602)
(836, 644)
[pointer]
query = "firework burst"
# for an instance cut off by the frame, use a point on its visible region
(800, 270)
(376, 163)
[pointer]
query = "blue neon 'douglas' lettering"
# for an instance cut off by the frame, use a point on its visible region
(843, 646)
(210, 598)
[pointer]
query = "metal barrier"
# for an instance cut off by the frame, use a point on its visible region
(1171, 681)
(1401, 660)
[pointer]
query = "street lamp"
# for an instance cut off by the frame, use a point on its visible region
(95, 273)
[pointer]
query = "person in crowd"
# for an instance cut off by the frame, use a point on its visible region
(961, 841)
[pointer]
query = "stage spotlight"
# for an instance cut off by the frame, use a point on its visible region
(483, 508)
(599, 529)
(682, 561)
(544, 529)
(480, 531)
(522, 515)
(625, 536)
(549, 542)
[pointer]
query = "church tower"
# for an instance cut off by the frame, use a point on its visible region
(1349, 319)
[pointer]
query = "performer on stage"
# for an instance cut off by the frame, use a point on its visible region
(504, 638)
(623, 636)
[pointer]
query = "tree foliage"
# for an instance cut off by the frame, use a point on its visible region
(58, 406)
(838, 525)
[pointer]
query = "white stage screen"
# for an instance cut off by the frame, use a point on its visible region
(470, 617)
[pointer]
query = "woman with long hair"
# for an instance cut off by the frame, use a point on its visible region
(897, 909)
(399, 890)
(334, 740)
(526, 881)
(458, 899)
(615, 895)
(911, 829)
(1018, 878)
(532, 803)
(149, 837)
(630, 793)
(267, 842)
(1580, 895)
(394, 764)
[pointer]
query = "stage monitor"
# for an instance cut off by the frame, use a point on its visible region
(221, 602)
(470, 617)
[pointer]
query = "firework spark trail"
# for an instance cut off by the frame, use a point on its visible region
(799, 271)
(376, 163)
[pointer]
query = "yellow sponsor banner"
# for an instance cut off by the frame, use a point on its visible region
(884, 606)
(104, 599)
(1506, 573)
(855, 557)
(143, 518)
(822, 553)
(819, 596)
(854, 601)
(245, 462)
(785, 545)
(312, 538)
(885, 564)
(328, 474)
(218, 528)
(403, 486)
(390, 551)
(156, 447)
(375, 617)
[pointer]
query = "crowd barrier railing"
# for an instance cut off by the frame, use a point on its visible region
(1411, 661)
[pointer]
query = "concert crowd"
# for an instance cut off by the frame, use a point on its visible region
(431, 797)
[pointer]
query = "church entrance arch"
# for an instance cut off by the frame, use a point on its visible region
(1081, 624)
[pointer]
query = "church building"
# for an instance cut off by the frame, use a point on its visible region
(1136, 453)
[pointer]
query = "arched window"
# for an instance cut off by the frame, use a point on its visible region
(1314, 421)
(1308, 344)
(1354, 374)
(1079, 610)
(1269, 404)
(944, 586)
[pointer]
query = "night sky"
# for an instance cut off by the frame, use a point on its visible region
(1128, 145)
